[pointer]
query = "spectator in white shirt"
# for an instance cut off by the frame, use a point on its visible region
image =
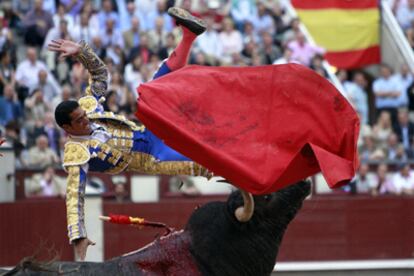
(209, 42)
(404, 180)
(405, 78)
(242, 10)
(83, 30)
(28, 70)
(388, 93)
(62, 15)
(110, 36)
(405, 14)
(231, 41)
(107, 13)
(262, 21)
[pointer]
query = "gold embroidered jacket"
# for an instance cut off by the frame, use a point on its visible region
(115, 145)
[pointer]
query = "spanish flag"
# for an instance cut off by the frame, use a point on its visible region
(347, 29)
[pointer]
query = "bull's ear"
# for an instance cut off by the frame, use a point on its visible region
(244, 213)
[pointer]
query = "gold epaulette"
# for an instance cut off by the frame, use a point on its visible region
(119, 118)
(88, 103)
(75, 154)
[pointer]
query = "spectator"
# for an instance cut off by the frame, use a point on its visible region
(132, 75)
(268, 52)
(98, 47)
(41, 155)
(65, 95)
(404, 128)
(132, 36)
(302, 50)
(48, 128)
(383, 181)
(50, 88)
(110, 36)
(286, 58)
(262, 21)
(46, 184)
(231, 41)
(21, 8)
(242, 11)
(108, 14)
(364, 181)
(120, 193)
(209, 43)
(403, 180)
(290, 33)
(277, 13)
(401, 154)
(168, 48)
(358, 96)
(317, 65)
(143, 50)
(111, 104)
(6, 37)
(60, 31)
(368, 151)
(7, 72)
(409, 34)
(251, 50)
(10, 107)
(27, 73)
(127, 11)
(383, 128)
(61, 15)
(392, 147)
(249, 34)
(118, 86)
(157, 36)
(35, 108)
(405, 78)
(88, 10)
(82, 30)
(37, 23)
(388, 92)
(159, 11)
(405, 14)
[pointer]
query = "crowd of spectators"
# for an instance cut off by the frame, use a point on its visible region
(133, 37)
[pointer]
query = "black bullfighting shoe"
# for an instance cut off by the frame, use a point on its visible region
(184, 18)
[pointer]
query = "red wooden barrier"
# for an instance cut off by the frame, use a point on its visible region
(327, 228)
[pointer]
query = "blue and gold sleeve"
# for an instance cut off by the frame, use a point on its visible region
(98, 80)
(75, 193)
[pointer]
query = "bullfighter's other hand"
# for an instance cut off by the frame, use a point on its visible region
(80, 246)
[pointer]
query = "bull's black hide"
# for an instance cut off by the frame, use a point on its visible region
(212, 243)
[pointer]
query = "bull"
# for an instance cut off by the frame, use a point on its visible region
(220, 238)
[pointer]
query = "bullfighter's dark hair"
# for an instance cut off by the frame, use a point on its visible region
(63, 110)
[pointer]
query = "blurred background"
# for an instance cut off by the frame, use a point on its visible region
(364, 47)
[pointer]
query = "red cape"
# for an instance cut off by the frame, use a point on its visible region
(261, 128)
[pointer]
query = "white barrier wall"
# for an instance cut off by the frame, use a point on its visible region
(7, 189)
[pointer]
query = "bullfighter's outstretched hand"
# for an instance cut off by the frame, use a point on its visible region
(65, 47)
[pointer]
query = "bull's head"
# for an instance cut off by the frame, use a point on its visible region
(224, 245)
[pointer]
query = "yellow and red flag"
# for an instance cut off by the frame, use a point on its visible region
(347, 29)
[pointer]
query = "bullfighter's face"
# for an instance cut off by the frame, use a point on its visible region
(80, 124)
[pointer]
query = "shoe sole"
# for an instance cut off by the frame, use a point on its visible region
(184, 18)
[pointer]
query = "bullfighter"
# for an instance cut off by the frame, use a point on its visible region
(105, 142)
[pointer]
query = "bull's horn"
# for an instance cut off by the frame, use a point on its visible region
(244, 213)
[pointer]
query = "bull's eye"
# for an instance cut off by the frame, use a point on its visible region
(268, 197)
